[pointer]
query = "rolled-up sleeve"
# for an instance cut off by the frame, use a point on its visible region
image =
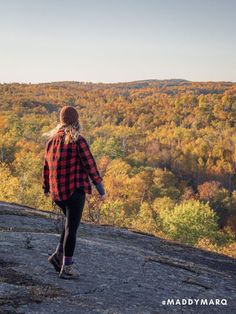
(88, 160)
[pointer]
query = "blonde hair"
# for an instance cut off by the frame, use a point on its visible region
(71, 131)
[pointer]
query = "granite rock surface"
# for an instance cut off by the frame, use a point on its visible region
(121, 271)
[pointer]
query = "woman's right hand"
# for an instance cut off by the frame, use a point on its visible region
(102, 197)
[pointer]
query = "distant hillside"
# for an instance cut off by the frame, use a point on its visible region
(159, 85)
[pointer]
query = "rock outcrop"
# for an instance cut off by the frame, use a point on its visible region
(121, 271)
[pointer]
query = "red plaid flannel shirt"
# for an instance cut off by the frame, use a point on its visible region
(67, 167)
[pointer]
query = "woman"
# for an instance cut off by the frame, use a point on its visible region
(68, 165)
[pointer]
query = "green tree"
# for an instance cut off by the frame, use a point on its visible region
(146, 219)
(166, 184)
(189, 221)
(108, 147)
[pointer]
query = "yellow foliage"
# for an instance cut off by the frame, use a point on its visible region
(9, 185)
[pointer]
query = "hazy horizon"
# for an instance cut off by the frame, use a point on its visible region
(102, 41)
(115, 82)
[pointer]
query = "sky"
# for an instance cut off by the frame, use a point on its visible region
(117, 40)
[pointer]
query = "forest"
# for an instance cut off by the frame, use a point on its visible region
(166, 150)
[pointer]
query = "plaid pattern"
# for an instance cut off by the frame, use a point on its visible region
(67, 167)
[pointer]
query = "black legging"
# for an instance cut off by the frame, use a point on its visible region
(72, 209)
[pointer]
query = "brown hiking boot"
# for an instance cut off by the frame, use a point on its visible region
(56, 261)
(69, 272)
